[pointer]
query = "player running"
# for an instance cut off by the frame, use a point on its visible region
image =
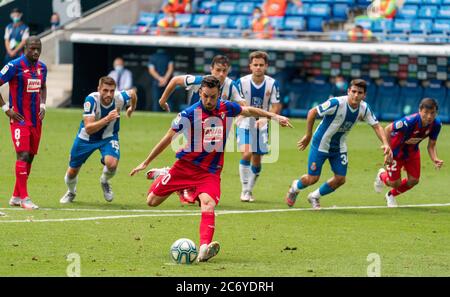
(261, 91)
(404, 136)
(220, 67)
(99, 130)
(206, 125)
(26, 109)
(328, 142)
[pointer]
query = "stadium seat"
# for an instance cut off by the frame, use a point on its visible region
(184, 19)
(412, 2)
(428, 12)
(219, 21)
(209, 5)
(199, 20)
(320, 10)
(441, 26)
(408, 12)
(402, 26)
(239, 22)
(293, 9)
(432, 2)
(340, 12)
(277, 23)
(422, 26)
(438, 38)
(315, 24)
(444, 12)
(245, 7)
(382, 25)
(147, 19)
(411, 94)
(294, 23)
(365, 22)
(390, 103)
(363, 3)
(226, 8)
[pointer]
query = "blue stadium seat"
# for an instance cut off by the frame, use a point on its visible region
(408, 12)
(413, 2)
(422, 26)
(340, 12)
(226, 8)
(294, 23)
(411, 93)
(315, 24)
(428, 12)
(184, 19)
(209, 5)
(277, 23)
(218, 21)
(239, 22)
(435, 90)
(338, 35)
(200, 20)
(402, 26)
(320, 10)
(441, 26)
(245, 7)
(445, 2)
(390, 103)
(438, 38)
(363, 3)
(444, 12)
(432, 2)
(147, 19)
(382, 25)
(293, 9)
(348, 2)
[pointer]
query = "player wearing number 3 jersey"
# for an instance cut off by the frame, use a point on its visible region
(99, 130)
(339, 115)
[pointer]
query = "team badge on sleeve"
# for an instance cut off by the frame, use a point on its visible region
(87, 106)
(4, 70)
(325, 105)
(398, 125)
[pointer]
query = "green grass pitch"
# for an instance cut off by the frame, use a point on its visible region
(410, 241)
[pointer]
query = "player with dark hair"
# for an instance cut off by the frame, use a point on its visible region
(26, 109)
(206, 125)
(328, 142)
(99, 130)
(404, 136)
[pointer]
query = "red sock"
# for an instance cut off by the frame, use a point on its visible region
(21, 178)
(384, 177)
(207, 225)
(402, 188)
(16, 192)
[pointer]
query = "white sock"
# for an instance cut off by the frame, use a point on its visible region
(244, 173)
(316, 194)
(71, 183)
(107, 175)
(252, 181)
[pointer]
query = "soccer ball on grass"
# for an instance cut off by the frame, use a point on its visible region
(183, 251)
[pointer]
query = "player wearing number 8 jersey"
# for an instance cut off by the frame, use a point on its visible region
(26, 109)
(328, 143)
(99, 130)
(206, 125)
(405, 136)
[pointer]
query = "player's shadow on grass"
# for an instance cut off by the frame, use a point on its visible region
(109, 205)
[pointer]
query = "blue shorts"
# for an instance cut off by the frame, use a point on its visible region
(82, 149)
(338, 162)
(258, 139)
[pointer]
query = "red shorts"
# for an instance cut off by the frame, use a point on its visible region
(185, 175)
(411, 165)
(26, 138)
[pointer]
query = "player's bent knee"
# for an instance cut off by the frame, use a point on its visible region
(413, 182)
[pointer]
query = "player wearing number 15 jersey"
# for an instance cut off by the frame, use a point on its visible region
(328, 143)
(404, 136)
(99, 130)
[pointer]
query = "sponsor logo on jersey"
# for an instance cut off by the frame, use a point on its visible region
(4, 70)
(213, 134)
(33, 85)
(87, 106)
(398, 125)
(313, 166)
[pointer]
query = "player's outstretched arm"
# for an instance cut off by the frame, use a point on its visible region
(302, 144)
(133, 101)
(249, 111)
(432, 152)
(158, 149)
(173, 83)
(381, 133)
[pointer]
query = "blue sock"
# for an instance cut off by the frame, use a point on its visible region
(245, 162)
(256, 170)
(325, 189)
(300, 185)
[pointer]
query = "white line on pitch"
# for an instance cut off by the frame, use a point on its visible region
(164, 213)
(108, 210)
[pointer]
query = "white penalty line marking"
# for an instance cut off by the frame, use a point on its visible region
(176, 213)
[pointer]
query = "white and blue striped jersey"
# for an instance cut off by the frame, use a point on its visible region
(228, 91)
(260, 96)
(338, 119)
(93, 107)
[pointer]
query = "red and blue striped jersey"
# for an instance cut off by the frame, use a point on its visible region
(206, 133)
(408, 132)
(25, 83)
